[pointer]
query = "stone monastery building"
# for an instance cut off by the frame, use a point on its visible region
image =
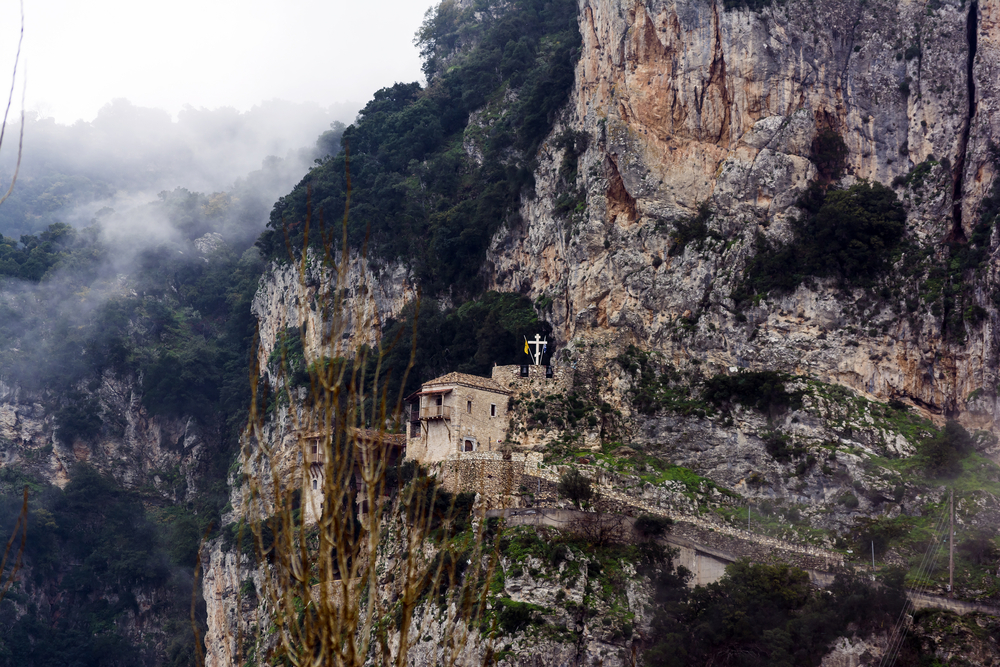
(456, 413)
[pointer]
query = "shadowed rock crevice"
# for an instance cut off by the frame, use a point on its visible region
(971, 30)
(619, 200)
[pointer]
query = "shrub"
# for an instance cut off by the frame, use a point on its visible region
(652, 525)
(576, 487)
(761, 390)
(979, 548)
(693, 229)
(79, 418)
(829, 154)
(943, 453)
(845, 234)
(515, 616)
(777, 445)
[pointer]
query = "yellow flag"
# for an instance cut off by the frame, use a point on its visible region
(526, 346)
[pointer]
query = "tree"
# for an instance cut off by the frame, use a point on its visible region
(943, 453)
(22, 521)
(575, 486)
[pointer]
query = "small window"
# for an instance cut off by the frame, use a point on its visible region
(524, 370)
(415, 429)
(314, 449)
(470, 445)
(493, 409)
(468, 407)
(315, 484)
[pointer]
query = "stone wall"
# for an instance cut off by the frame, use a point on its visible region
(495, 476)
(509, 377)
(498, 477)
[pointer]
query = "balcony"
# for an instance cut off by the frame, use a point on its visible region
(436, 412)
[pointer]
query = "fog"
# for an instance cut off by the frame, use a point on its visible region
(129, 154)
(161, 215)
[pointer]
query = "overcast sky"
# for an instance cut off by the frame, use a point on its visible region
(78, 56)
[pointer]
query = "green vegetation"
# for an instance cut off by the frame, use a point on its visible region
(173, 322)
(692, 230)
(847, 234)
(942, 454)
(469, 339)
(765, 614)
(761, 390)
(952, 284)
(600, 572)
(791, 622)
(94, 548)
(576, 487)
(572, 413)
(416, 195)
(571, 198)
(652, 526)
(851, 235)
(58, 246)
(657, 385)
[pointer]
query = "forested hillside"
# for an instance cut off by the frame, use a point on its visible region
(436, 171)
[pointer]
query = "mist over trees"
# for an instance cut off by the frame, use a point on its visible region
(128, 154)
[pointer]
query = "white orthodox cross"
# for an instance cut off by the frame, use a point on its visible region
(540, 346)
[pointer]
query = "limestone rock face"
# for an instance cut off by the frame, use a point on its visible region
(688, 104)
(310, 296)
(135, 448)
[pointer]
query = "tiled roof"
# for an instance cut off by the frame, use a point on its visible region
(468, 381)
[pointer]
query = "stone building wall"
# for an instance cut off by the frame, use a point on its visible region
(509, 377)
(481, 416)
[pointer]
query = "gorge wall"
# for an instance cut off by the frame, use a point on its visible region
(691, 110)
(691, 104)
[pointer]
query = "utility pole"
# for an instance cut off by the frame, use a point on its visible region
(951, 546)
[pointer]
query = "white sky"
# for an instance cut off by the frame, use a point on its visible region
(79, 55)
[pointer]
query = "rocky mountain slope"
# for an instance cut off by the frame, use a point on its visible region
(690, 106)
(763, 235)
(699, 141)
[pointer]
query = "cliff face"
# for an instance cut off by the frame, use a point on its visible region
(689, 104)
(310, 296)
(137, 448)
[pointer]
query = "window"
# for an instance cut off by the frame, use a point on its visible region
(470, 445)
(493, 409)
(524, 370)
(414, 429)
(315, 484)
(468, 407)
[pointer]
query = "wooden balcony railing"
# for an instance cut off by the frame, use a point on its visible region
(436, 412)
